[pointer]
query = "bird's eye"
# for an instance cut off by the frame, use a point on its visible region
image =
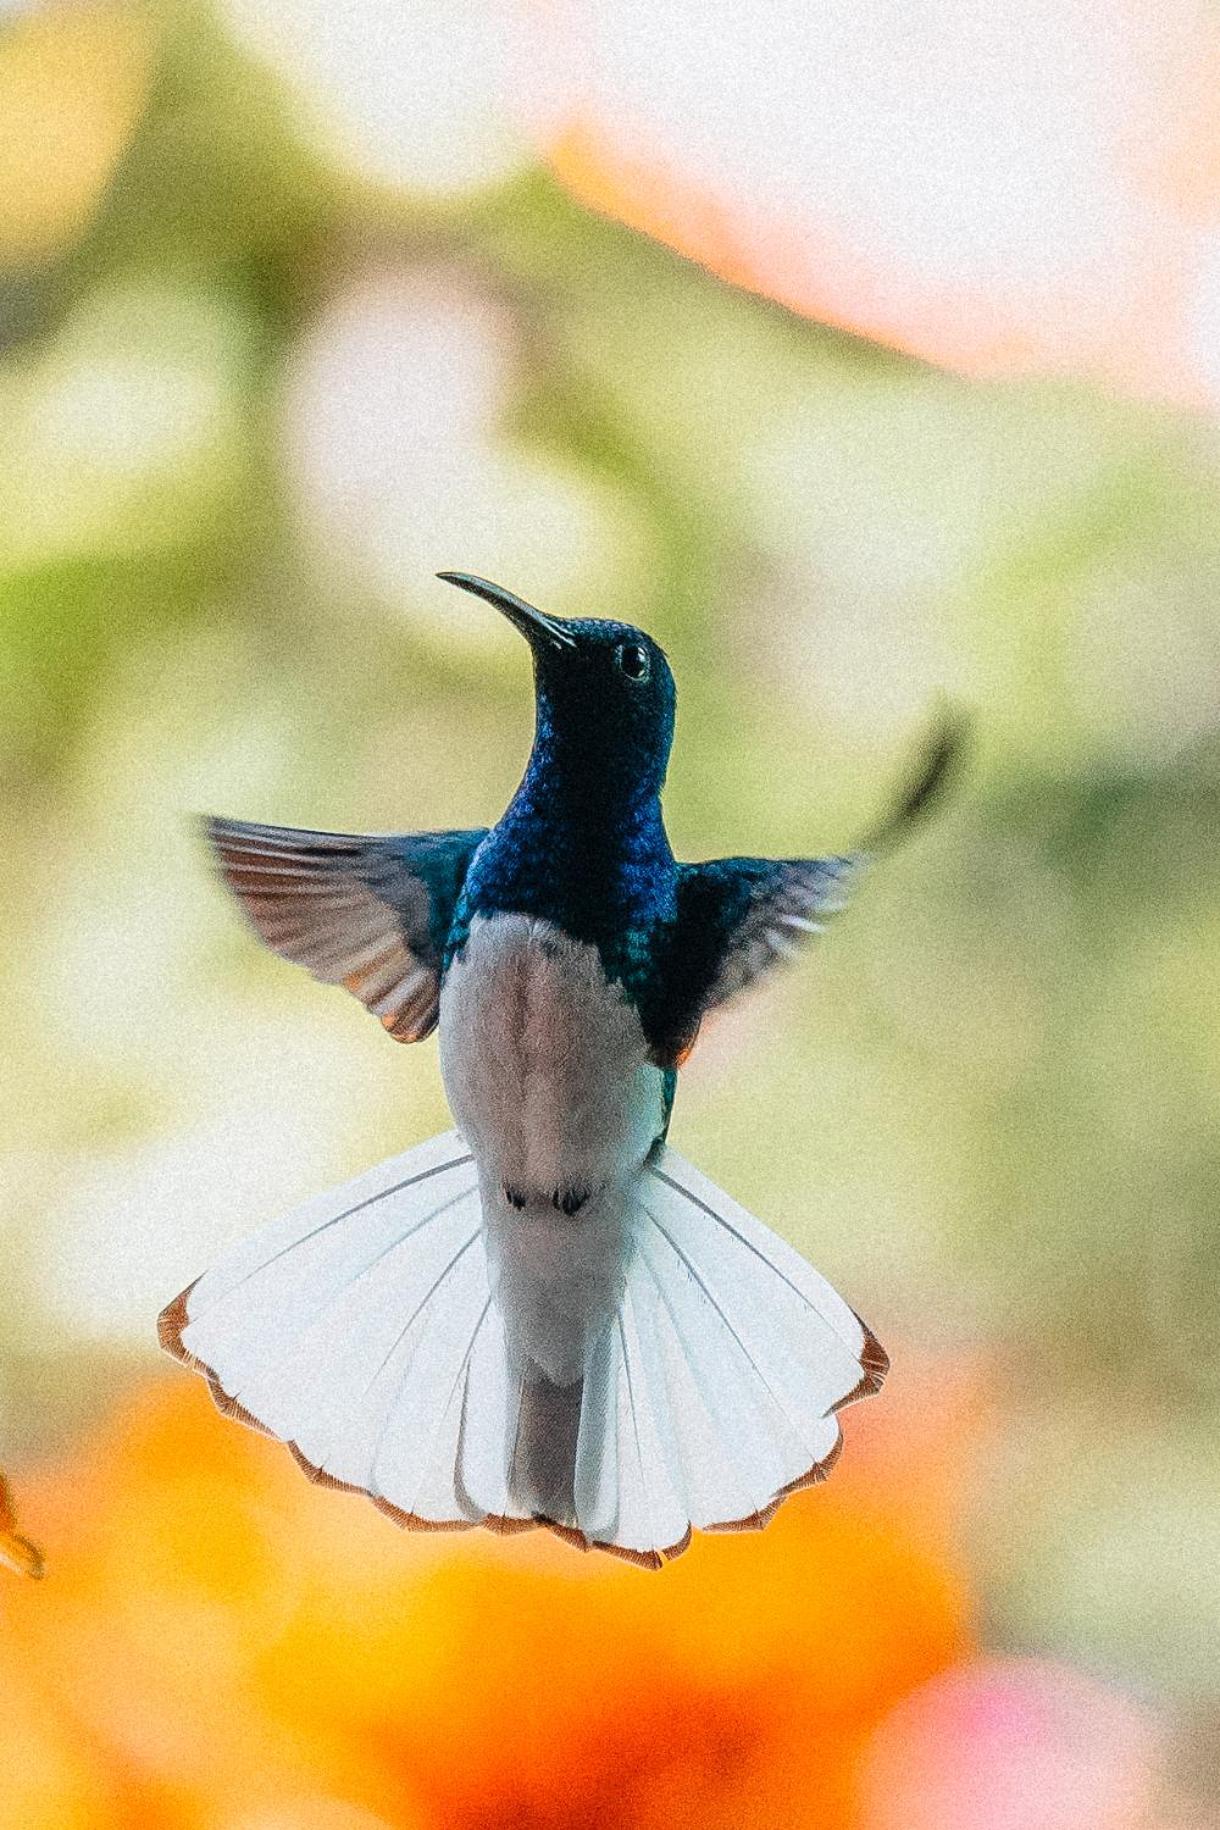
(633, 660)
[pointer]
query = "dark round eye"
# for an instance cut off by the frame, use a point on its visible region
(633, 660)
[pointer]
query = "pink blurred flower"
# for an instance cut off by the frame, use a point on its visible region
(1021, 186)
(1011, 1744)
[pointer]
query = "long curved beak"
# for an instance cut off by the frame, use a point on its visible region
(534, 626)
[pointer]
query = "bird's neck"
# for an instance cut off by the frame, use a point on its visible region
(598, 793)
(582, 848)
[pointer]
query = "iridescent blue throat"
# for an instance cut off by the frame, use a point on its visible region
(583, 843)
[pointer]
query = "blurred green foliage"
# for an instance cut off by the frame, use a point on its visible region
(987, 1107)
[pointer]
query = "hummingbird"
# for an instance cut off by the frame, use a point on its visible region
(544, 1316)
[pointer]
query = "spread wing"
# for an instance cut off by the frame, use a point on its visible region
(764, 909)
(372, 914)
(737, 917)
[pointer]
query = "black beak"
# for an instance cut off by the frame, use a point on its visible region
(534, 626)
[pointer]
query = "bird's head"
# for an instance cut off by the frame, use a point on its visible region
(604, 693)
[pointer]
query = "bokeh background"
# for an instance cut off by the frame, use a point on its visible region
(864, 353)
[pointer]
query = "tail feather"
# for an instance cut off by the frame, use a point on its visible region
(722, 1456)
(491, 1424)
(544, 1454)
(366, 1330)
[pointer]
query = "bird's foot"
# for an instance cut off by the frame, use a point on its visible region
(570, 1200)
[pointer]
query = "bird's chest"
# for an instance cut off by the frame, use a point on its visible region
(545, 1063)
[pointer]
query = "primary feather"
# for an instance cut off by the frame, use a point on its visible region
(371, 914)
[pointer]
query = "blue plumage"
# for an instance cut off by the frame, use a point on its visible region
(582, 844)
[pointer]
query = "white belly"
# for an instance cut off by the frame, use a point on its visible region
(544, 1062)
(546, 1069)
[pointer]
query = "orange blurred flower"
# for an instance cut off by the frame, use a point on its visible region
(224, 1646)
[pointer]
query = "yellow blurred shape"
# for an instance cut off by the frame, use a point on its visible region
(309, 1814)
(16, 1552)
(72, 84)
(54, 1783)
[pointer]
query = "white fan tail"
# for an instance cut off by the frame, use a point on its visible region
(366, 1331)
(717, 1389)
(358, 1330)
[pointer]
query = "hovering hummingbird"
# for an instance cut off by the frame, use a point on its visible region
(545, 1316)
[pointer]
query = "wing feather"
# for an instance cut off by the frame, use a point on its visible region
(738, 917)
(370, 914)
